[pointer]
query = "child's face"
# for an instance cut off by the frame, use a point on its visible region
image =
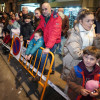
(17, 18)
(3, 21)
(89, 60)
(10, 22)
(27, 20)
(21, 14)
(36, 36)
(37, 14)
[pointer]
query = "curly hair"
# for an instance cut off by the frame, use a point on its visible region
(92, 50)
(82, 14)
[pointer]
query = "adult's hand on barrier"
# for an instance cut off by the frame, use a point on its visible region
(46, 51)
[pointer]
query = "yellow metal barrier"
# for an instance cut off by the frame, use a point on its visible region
(24, 64)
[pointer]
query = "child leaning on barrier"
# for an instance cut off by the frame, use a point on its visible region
(86, 70)
(34, 45)
(6, 37)
(6, 40)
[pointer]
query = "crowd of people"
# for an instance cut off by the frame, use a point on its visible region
(79, 46)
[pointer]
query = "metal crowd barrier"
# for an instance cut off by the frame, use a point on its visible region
(24, 64)
(31, 68)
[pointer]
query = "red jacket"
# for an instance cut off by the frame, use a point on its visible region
(7, 39)
(51, 30)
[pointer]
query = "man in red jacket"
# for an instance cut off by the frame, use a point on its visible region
(51, 25)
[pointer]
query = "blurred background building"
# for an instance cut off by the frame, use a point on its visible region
(15, 5)
(71, 7)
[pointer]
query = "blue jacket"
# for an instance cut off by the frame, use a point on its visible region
(34, 46)
(76, 81)
(80, 74)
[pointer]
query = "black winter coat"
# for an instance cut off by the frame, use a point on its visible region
(26, 31)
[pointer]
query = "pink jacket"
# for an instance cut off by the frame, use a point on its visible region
(51, 30)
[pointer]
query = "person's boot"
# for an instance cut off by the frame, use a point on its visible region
(37, 78)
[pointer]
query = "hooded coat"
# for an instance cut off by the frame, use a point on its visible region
(75, 80)
(72, 51)
(51, 30)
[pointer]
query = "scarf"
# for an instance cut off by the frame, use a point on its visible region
(87, 36)
(96, 70)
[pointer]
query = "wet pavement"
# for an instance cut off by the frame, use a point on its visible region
(34, 88)
(8, 90)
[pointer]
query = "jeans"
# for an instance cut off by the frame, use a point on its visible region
(50, 58)
(36, 63)
(61, 44)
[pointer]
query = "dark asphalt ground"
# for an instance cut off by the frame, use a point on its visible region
(14, 89)
(8, 90)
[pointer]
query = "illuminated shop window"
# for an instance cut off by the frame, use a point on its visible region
(31, 6)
